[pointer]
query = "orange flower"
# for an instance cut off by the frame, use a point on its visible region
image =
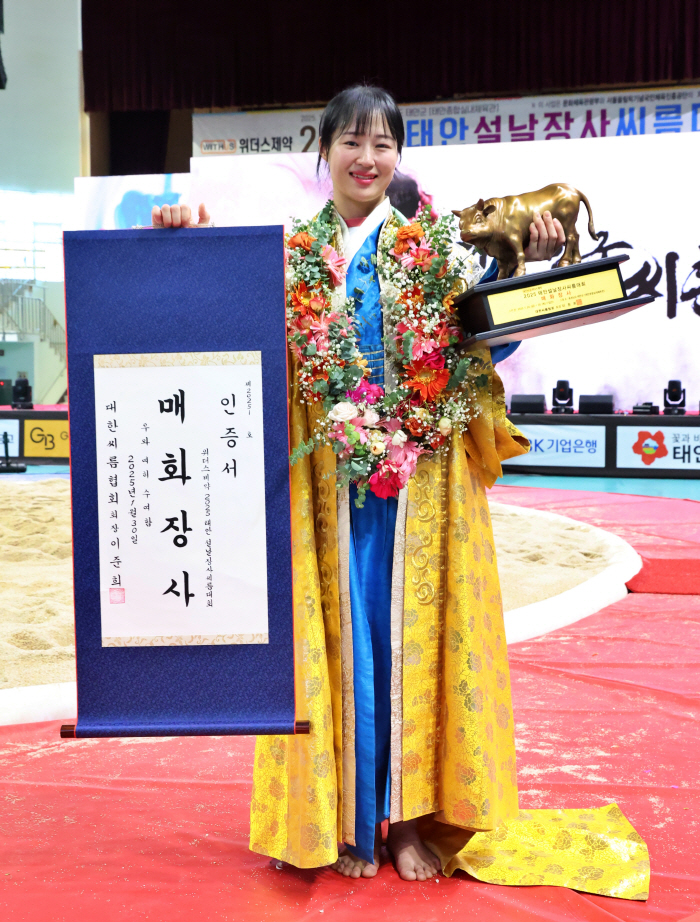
(448, 302)
(415, 296)
(427, 380)
(415, 426)
(410, 232)
(302, 240)
(307, 301)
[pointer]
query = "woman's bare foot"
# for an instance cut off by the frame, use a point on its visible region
(414, 860)
(350, 866)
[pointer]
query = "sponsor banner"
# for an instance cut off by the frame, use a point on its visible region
(46, 438)
(562, 446)
(474, 121)
(652, 448)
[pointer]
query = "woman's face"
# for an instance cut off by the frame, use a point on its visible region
(361, 167)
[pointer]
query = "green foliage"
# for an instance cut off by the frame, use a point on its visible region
(361, 494)
(460, 372)
(303, 448)
(407, 346)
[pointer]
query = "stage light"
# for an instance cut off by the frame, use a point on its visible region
(528, 403)
(674, 399)
(562, 398)
(595, 404)
(22, 395)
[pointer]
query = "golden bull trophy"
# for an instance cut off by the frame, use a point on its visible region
(519, 306)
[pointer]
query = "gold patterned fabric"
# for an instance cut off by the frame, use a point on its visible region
(595, 850)
(452, 743)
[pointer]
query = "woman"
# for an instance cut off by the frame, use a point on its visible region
(401, 662)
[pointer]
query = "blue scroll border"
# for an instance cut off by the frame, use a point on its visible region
(185, 290)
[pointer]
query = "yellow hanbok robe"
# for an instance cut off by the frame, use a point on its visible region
(453, 761)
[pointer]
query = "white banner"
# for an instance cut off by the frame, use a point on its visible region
(645, 204)
(181, 499)
(562, 446)
(11, 427)
(650, 447)
(474, 121)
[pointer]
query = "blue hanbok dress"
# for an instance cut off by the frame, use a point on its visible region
(372, 531)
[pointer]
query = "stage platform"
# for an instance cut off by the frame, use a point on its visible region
(605, 710)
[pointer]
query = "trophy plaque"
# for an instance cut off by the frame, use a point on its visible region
(546, 302)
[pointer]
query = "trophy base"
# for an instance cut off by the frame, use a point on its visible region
(546, 302)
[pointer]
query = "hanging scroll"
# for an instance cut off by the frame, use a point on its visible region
(180, 478)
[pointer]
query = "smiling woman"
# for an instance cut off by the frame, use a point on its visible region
(360, 138)
(401, 664)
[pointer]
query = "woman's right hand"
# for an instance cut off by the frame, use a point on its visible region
(178, 216)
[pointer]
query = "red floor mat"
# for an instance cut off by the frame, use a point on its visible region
(129, 830)
(664, 532)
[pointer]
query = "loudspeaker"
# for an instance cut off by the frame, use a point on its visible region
(528, 403)
(595, 403)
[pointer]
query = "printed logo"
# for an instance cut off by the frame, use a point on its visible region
(116, 596)
(650, 447)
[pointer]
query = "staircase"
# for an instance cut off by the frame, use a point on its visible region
(23, 312)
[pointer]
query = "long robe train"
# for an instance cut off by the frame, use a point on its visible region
(453, 764)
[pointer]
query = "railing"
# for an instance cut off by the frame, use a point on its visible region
(23, 312)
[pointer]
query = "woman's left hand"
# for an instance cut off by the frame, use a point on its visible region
(547, 237)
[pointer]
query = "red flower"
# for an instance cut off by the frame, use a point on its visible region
(428, 377)
(385, 482)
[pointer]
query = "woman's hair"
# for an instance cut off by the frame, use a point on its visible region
(356, 107)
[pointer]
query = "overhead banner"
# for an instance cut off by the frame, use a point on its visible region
(180, 481)
(473, 121)
(628, 181)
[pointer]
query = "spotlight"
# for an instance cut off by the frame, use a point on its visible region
(674, 399)
(22, 395)
(595, 403)
(528, 403)
(562, 398)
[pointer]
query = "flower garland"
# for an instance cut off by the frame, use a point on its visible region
(379, 436)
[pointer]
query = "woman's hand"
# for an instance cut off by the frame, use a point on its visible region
(178, 216)
(547, 237)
